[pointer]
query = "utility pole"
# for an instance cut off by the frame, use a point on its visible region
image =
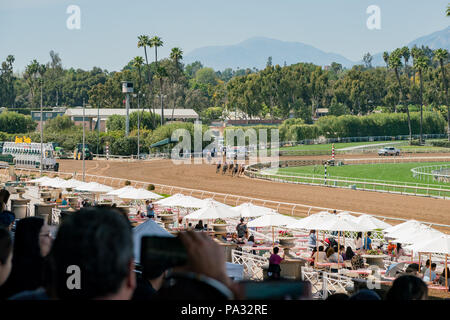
(84, 139)
(139, 125)
(42, 135)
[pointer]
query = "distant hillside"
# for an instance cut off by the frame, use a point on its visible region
(255, 51)
(435, 40)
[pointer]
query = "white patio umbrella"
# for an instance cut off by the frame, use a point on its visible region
(119, 191)
(212, 211)
(440, 245)
(271, 220)
(312, 221)
(181, 200)
(220, 204)
(71, 183)
(139, 194)
(249, 210)
(407, 231)
(94, 187)
(401, 226)
(372, 222)
(53, 182)
(346, 215)
(419, 237)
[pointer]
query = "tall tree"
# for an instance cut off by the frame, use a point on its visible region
(386, 58)
(143, 42)
(176, 55)
(156, 42)
(421, 64)
(395, 63)
(368, 60)
(161, 73)
(442, 55)
(406, 54)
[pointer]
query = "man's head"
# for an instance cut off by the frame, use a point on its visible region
(369, 234)
(242, 220)
(147, 202)
(276, 250)
(99, 242)
(433, 266)
(5, 255)
(427, 264)
(408, 287)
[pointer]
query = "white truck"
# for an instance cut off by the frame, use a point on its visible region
(389, 151)
(28, 155)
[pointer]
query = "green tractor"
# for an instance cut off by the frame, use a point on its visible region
(78, 152)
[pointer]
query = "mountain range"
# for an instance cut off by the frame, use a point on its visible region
(254, 52)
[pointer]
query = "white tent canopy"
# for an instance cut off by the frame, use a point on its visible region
(311, 222)
(71, 183)
(419, 237)
(181, 200)
(40, 180)
(94, 187)
(440, 244)
(212, 211)
(119, 191)
(372, 222)
(139, 194)
(346, 215)
(401, 226)
(341, 224)
(411, 229)
(53, 182)
(271, 220)
(249, 210)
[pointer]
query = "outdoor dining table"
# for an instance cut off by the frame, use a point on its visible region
(377, 260)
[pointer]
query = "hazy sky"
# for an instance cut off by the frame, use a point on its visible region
(109, 28)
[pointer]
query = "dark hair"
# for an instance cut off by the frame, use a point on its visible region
(427, 263)
(27, 262)
(4, 195)
(448, 272)
(369, 234)
(349, 254)
(330, 252)
(359, 235)
(276, 250)
(242, 219)
(99, 241)
(5, 245)
(399, 246)
(414, 266)
(321, 248)
(433, 265)
(365, 294)
(6, 218)
(407, 287)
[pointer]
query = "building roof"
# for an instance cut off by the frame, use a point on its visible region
(105, 113)
(322, 110)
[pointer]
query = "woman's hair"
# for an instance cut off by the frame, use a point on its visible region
(330, 252)
(399, 246)
(407, 287)
(321, 248)
(349, 253)
(5, 245)
(359, 235)
(251, 238)
(448, 272)
(276, 250)
(312, 231)
(4, 196)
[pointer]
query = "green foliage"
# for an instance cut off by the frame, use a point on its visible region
(59, 123)
(444, 144)
(206, 76)
(117, 122)
(212, 113)
(249, 133)
(13, 122)
(124, 146)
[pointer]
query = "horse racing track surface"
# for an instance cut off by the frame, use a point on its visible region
(204, 177)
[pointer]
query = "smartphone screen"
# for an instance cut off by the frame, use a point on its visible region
(162, 252)
(277, 290)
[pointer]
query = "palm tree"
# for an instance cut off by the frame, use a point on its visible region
(30, 75)
(137, 63)
(448, 10)
(441, 55)
(386, 58)
(156, 42)
(144, 41)
(176, 55)
(415, 52)
(406, 55)
(421, 64)
(395, 63)
(161, 73)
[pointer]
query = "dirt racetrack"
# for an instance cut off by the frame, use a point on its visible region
(203, 177)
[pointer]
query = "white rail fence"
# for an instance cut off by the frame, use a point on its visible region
(252, 264)
(440, 173)
(324, 284)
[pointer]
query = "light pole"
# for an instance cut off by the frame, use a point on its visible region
(139, 124)
(84, 138)
(127, 88)
(161, 96)
(42, 136)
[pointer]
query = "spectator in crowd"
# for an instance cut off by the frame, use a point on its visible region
(64, 202)
(199, 226)
(349, 254)
(357, 262)
(365, 294)
(4, 198)
(31, 244)
(312, 239)
(7, 219)
(274, 270)
(430, 273)
(99, 242)
(442, 278)
(321, 255)
(367, 242)
(412, 269)
(333, 256)
(398, 251)
(5, 255)
(148, 283)
(407, 287)
(358, 242)
(150, 209)
(242, 231)
(251, 242)
(190, 226)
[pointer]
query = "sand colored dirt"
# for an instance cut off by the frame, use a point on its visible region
(203, 177)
